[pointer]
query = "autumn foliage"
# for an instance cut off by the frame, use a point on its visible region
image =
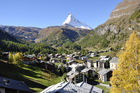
(126, 78)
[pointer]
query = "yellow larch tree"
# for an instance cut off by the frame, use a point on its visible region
(10, 57)
(126, 78)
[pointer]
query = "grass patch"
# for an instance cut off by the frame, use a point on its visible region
(80, 61)
(94, 59)
(107, 82)
(36, 78)
(106, 53)
(106, 90)
(59, 63)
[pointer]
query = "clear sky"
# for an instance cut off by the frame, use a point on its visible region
(43, 13)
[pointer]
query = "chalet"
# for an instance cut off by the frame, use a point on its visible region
(78, 73)
(50, 55)
(13, 86)
(88, 64)
(50, 66)
(71, 62)
(87, 71)
(102, 63)
(84, 58)
(74, 75)
(5, 55)
(54, 60)
(67, 87)
(94, 54)
(69, 57)
(76, 57)
(56, 55)
(113, 63)
(29, 59)
(105, 74)
(95, 64)
(104, 58)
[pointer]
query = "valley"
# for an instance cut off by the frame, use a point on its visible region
(73, 57)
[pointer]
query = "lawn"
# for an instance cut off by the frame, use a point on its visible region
(107, 82)
(106, 90)
(36, 78)
(111, 53)
(94, 59)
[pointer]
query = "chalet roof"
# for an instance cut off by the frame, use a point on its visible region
(114, 60)
(70, 73)
(89, 88)
(13, 84)
(85, 70)
(29, 56)
(73, 75)
(104, 71)
(5, 53)
(67, 87)
(104, 58)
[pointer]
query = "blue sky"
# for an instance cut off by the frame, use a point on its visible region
(44, 13)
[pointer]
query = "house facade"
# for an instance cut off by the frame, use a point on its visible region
(105, 75)
(113, 63)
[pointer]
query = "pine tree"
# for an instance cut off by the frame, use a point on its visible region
(126, 78)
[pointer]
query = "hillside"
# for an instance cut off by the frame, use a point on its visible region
(11, 44)
(24, 33)
(58, 35)
(125, 8)
(36, 78)
(6, 36)
(116, 30)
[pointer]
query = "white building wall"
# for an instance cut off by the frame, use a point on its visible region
(88, 64)
(113, 66)
(95, 65)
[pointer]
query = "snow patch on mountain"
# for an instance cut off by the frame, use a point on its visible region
(72, 21)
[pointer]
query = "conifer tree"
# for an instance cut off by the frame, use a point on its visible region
(126, 78)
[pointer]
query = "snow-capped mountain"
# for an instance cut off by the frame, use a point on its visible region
(72, 21)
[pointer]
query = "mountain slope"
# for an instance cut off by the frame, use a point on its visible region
(72, 21)
(24, 33)
(10, 43)
(58, 35)
(116, 30)
(126, 7)
(5, 36)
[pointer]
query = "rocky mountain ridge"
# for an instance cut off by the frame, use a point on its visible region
(115, 31)
(20, 32)
(126, 7)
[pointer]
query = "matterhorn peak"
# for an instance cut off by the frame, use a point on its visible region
(72, 21)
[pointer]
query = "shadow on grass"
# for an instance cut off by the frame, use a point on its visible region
(92, 82)
(15, 72)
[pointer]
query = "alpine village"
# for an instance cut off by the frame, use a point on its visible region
(73, 57)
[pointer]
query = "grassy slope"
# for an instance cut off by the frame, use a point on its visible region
(34, 77)
(106, 90)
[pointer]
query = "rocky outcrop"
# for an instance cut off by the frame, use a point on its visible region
(126, 7)
(101, 30)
